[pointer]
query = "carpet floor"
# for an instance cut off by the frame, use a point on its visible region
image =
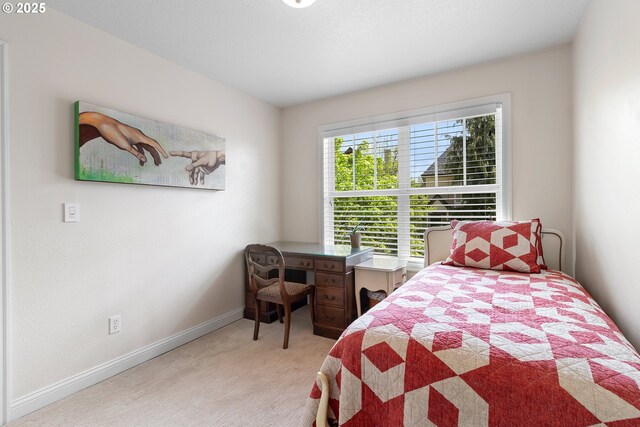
(221, 379)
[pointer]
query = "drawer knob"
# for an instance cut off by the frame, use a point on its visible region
(330, 297)
(331, 317)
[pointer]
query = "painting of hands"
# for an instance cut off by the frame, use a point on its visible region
(113, 146)
(202, 163)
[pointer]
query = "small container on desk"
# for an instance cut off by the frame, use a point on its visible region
(379, 274)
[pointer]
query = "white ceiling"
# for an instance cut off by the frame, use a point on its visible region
(287, 56)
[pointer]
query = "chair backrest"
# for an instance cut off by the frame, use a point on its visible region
(262, 261)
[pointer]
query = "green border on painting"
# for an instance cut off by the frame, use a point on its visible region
(76, 118)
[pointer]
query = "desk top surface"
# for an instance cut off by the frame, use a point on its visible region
(316, 249)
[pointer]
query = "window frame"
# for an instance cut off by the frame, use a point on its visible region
(439, 112)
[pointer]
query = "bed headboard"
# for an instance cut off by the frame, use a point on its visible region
(437, 246)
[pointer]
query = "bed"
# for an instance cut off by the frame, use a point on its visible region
(473, 347)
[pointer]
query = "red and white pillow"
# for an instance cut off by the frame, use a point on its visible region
(503, 245)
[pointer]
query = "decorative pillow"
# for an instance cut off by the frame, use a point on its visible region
(504, 245)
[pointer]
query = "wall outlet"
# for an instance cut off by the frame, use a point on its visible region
(115, 324)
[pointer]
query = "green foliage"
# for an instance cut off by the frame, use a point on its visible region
(371, 212)
(418, 222)
(367, 212)
(357, 168)
(386, 167)
(481, 164)
(103, 175)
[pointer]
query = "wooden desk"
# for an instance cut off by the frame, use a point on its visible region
(330, 269)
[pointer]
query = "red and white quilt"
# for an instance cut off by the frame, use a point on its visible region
(464, 346)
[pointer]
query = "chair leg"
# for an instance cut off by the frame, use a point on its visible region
(256, 327)
(312, 309)
(279, 311)
(287, 324)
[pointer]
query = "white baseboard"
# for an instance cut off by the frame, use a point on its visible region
(47, 395)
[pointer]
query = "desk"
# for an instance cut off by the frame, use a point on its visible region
(330, 269)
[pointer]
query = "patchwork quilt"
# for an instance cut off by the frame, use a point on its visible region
(470, 347)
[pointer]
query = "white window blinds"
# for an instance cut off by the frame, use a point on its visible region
(397, 177)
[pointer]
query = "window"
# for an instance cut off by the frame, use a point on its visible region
(398, 175)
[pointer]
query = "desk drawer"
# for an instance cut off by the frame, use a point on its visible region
(330, 316)
(259, 259)
(326, 279)
(298, 262)
(331, 296)
(329, 265)
(272, 259)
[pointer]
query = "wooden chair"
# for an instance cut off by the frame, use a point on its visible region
(263, 262)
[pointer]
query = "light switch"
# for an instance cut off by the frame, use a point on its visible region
(72, 212)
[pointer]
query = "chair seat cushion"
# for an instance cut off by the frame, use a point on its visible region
(292, 288)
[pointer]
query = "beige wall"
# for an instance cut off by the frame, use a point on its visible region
(607, 159)
(540, 85)
(165, 259)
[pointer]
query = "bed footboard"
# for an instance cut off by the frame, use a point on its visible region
(323, 408)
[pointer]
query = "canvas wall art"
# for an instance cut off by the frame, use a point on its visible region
(112, 146)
